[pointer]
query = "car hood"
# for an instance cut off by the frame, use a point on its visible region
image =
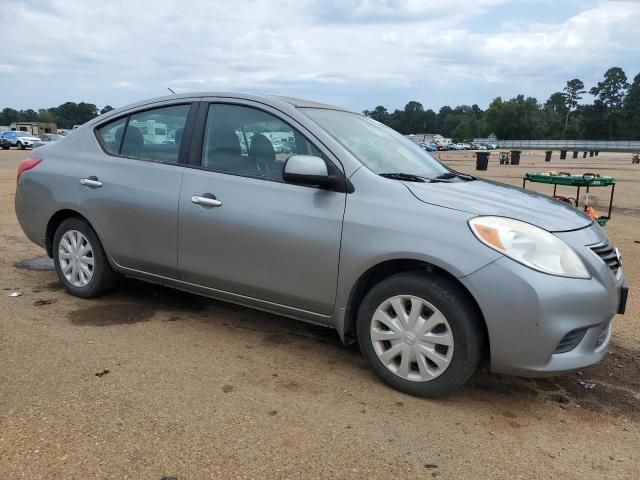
(484, 197)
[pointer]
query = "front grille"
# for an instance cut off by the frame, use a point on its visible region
(608, 254)
(570, 340)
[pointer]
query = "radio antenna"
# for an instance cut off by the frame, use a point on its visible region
(171, 90)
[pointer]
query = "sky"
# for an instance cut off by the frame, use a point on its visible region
(353, 53)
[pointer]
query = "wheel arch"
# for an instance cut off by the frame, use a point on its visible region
(60, 216)
(385, 269)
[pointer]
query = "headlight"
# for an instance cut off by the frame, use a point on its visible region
(529, 245)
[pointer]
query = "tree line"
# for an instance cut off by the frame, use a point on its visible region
(64, 116)
(614, 114)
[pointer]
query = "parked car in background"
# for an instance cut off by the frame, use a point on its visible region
(430, 270)
(19, 139)
(47, 138)
(4, 143)
(429, 147)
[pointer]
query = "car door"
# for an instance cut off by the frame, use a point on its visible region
(241, 228)
(129, 184)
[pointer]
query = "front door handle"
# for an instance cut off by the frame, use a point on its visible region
(206, 200)
(92, 181)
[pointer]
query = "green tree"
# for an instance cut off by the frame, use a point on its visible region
(592, 121)
(555, 114)
(611, 93)
(8, 116)
(465, 130)
(70, 113)
(631, 109)
(29, 115)
(413, 118)
(45, 116)
(443, 113)
(107, 108)
(429, 121)
(573, 93)
(556, 103)
(517, 118)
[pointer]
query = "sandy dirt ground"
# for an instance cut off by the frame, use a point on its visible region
(150, 383)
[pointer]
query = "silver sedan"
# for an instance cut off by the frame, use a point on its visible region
(352, 226)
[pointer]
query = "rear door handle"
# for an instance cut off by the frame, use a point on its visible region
(206, 200)
(92, 181)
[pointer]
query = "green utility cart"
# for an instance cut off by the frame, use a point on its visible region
(587, 181)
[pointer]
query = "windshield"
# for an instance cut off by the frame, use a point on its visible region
(378, 147)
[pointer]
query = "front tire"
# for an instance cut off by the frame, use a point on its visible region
(421, 334)
(80, 261)
(20, 146)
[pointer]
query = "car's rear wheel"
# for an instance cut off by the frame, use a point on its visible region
(421, 334)
(80, 261)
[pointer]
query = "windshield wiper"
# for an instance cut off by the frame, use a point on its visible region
(407, 177)
(450, 175)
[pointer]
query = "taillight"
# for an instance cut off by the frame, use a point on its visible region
(27, 164)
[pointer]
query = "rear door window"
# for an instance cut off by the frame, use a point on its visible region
(111, 135)
(154, 135)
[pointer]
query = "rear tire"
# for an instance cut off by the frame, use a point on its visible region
(80, 261)
(20, 146)
(432, 346)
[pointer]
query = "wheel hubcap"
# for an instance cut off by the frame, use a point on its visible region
(412, 338)
(76, 259)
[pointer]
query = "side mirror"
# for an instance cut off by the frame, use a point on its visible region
(313, 171)
(306, 170)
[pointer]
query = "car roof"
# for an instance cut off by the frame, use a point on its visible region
(273, 100)
(299, 102)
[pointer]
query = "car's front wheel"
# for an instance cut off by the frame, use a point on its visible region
(420, 333)
(20, 146)
(80, 261)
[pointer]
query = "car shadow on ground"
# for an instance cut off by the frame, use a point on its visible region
(611, 387)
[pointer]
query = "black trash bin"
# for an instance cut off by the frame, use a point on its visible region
(482, 160)
(575, 153)
(591, 153)
(563, 154)
(547, 156)
(596, 152)
(515, 157)
(584, 154)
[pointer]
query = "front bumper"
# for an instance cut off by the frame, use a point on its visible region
(529, 313)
